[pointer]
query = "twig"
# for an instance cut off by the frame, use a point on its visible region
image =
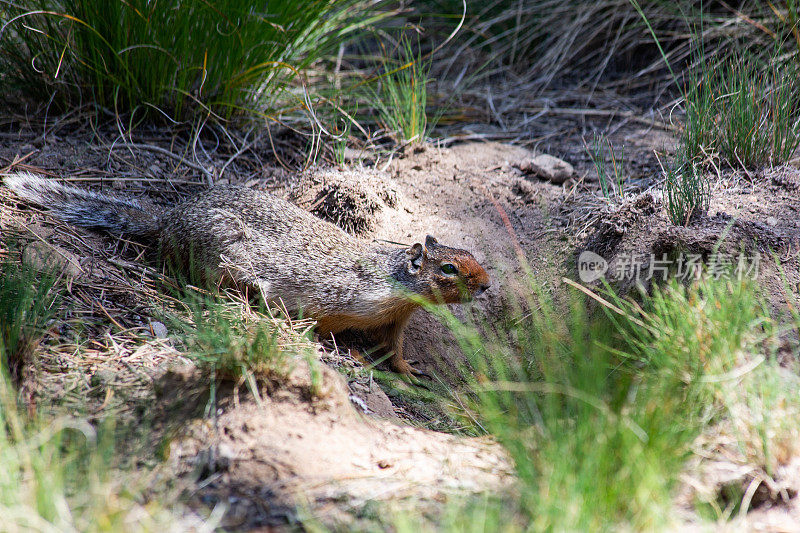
(243, 149)
(120, 326)
(17, 160)
(164, 151)
(604, 302)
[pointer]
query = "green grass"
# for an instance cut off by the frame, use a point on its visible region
(61, 475)
(223, 340)
(686, 192)
(177, 56)
(231, 341)
(611, 177)
(400, 93)
(742, 103)
(599, 410)
(28, 300)
(743, 112)
(56, 474)
(740, 108)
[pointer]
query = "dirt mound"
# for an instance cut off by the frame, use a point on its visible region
(348, 198)
(262, 457)
(758, 240)
(617, 220)
(718, 234)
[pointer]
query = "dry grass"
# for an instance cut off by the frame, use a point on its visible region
(597, 44)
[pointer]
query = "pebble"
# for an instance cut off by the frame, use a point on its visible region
(549, 168)
(158, 330)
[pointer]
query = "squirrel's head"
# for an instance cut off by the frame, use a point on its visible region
(445, 275)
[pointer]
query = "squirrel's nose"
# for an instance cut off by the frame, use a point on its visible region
(481, 289)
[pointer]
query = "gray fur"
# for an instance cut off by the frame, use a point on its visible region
(86, 208)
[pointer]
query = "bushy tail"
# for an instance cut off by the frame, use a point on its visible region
(86, 208)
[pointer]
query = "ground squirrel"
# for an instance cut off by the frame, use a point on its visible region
(257, 240)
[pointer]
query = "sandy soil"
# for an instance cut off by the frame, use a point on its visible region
(262, 457)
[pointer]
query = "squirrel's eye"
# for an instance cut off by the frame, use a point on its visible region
(449, 269)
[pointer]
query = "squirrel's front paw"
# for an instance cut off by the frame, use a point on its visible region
(403, 367)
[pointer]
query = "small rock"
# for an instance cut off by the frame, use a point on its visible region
(772, 221)
(47, 257)
(548, 168)
(158, 330)
(384, 464)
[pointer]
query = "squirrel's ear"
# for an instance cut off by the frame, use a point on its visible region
(414, 258)
(430, 242)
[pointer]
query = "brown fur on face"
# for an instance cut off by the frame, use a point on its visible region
(450, 275)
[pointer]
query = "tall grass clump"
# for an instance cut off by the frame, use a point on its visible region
(400, 93)
(28, 300)
(598, 409)
(746, 113)
(176, 55)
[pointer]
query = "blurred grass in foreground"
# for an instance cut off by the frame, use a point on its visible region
(600, 409)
